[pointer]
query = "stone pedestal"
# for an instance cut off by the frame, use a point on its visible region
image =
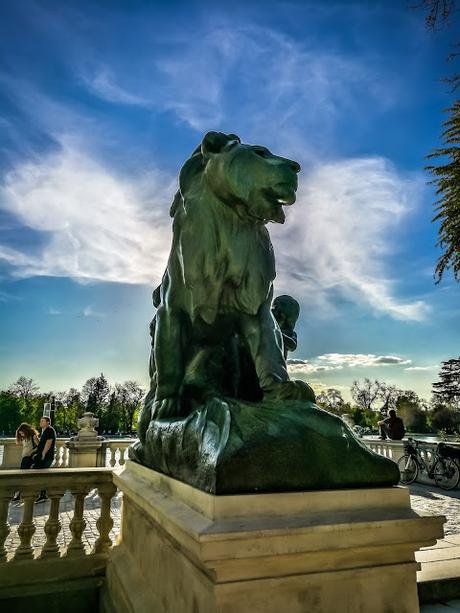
(182, 550)
(87, 449)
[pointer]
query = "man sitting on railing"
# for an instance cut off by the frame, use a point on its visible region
(392, 427)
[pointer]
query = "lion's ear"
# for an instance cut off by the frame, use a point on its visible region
(214, 142)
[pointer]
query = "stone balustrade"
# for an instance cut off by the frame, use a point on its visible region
(116, 453)
(56, 482)
(395, 449)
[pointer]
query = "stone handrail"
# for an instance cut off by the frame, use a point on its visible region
(116, 453)
(56, 482)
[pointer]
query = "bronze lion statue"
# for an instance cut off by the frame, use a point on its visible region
(217, 290)
(221, 413)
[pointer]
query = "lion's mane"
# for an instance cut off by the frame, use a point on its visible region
(222, 256)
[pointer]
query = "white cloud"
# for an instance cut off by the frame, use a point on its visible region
(339, 361)
(102, 226)
(338, 233)
(53, 311)
(97, 225)
(423, 368)
(361, 359)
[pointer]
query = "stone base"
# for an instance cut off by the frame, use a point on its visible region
(86, 454)
(182, 550)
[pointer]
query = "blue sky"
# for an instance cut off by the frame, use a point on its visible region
(100, 104)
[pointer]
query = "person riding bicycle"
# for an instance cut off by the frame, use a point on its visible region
(392, 427)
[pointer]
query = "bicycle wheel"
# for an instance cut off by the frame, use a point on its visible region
(408, 468)
(446, 473)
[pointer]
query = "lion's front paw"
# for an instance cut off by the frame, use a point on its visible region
(167, 408)
(290, 390)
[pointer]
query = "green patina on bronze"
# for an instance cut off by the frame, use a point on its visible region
(221, 413)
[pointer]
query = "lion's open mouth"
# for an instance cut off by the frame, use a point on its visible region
(281, 195)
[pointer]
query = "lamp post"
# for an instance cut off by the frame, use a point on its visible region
(49, 408)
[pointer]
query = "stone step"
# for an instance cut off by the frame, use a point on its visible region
(438, 580)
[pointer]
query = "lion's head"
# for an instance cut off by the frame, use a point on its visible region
(222, 259)
(249, 178)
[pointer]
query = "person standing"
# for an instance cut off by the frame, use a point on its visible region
(44, 454)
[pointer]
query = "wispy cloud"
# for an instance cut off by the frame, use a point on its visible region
(88, 311)
(341, 228)
(7, 297)
(53, 311)
(339, 361)
(246, 77)
(103, 83)
(100, 226)
(423, 368)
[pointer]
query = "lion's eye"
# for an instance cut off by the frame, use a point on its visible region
(262, 151)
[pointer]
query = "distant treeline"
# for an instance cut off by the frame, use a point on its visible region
(116, 406)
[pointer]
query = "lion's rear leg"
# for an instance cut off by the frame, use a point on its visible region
(169, 351)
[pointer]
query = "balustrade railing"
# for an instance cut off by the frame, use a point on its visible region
(116, 453)
(395, 449)
(79, 482)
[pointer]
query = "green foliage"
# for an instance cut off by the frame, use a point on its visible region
(447, 389)
(447, 207)
(10, 412)
(331, 400)
(116, 407)
(446, 419)
(414, 418)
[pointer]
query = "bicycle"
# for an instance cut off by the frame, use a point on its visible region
(443, 468)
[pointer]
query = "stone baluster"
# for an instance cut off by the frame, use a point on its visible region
(60, 455)
(26, 528)
(122, 460)
(112, 459)
(105, 522)
(4, 526)
(52, 527)
(77, 525)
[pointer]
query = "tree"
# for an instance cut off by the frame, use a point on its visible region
(447, 389)
(68, 407)
(10, 412)
(445, 419)
(366, 394)
(24, 388)
(112, 416)
(129, 396)
(95, 394)
(409, 408)
(331, 400)
(389, 395)
(447, 207)
(447, 174)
